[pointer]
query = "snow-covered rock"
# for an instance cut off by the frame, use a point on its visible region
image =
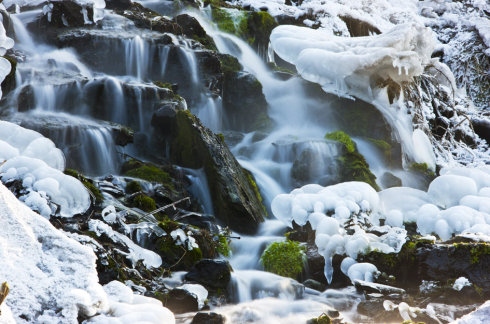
(27, 156)
(53, 278)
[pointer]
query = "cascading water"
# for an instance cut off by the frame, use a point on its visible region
(56, 82)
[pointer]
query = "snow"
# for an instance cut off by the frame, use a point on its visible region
(34, 159)
(460, 283)
(479, 316)
(53, 278)
(344, 215)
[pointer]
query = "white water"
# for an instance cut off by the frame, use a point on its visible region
(301, 122)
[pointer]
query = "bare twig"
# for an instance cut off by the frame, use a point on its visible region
(164, 207)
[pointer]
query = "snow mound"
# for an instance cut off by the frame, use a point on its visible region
(53, 278)
(479, 316)
(28, 156)
(346, 216)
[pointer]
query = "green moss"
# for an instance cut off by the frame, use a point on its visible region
(164, 85)
(259, 26)
(322, 319)
(356, 168)
(341, 137)
(144, 203)
(422, 168)
(255, 188)
(148, 172)
(383, 146)
(87, 183)
(133, 186)
(176, 256)
(477, 251)
(284, 258)
(223, 245)
(229, 64)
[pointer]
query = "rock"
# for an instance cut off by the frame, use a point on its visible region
(358, 27)
(313, 284)
(9, 84)
(244, 102)
(123, 135)
(118, 4)
(214, 274)
(259, 27)
(236, 200)
(389, 180)
(163, 119)
(208, 318)
(371, 287)
(374, 309)
(181, 301)
(482, 128)
(149, 19)
(192, 29)
(68, 13)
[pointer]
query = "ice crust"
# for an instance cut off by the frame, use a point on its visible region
(28, 156)
(457, 202)
(47, 271)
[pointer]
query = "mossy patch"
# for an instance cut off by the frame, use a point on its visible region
(87, 183)
(255, 188)
(144, 203)
(133, 186)
(149, 172)
(229, 64)
(383, 146)
(322, 319)
(353, 165)
(423, 169)
(284, 258)
(341, 137)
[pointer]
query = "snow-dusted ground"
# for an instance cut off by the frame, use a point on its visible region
(53, 278)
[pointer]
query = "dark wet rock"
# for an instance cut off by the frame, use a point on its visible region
(482, 128)
(359, 27)
(149, 19)
(118, 4)
(25, 99)
(371, 287)
(214, 274)
(423, 260)
(259, 27)
(389, 180)
(9, 84)
(316, 268)
(208, 318)
(123, 135)
(181, 301)
(313, 284)
(193, 30)
(244, 102)
(164, 117)
(373, 308)
(68, 13)
(236, 199)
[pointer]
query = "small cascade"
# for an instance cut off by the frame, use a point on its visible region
(199, 188)
(136, 51)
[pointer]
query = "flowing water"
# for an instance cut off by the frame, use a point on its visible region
(78, 102)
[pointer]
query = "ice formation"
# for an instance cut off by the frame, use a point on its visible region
(135, 253)
(361, 67)
(27, 156)
(343, 215)
(46, 271)
(460, 283)
(198, 291)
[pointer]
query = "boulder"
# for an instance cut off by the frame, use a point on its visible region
(214, 274)
(181, 301)
(208, 318)
(68, 13)
(236, 199)
(192, 29)
(118, 4)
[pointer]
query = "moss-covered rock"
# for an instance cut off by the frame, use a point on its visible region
(258, 29)
(192, 29)
(133, 187)
(88, 183)
(284, 258)
(147, 171)
(353, 165)
(144, 203)
(341, 137)
(235, 201)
